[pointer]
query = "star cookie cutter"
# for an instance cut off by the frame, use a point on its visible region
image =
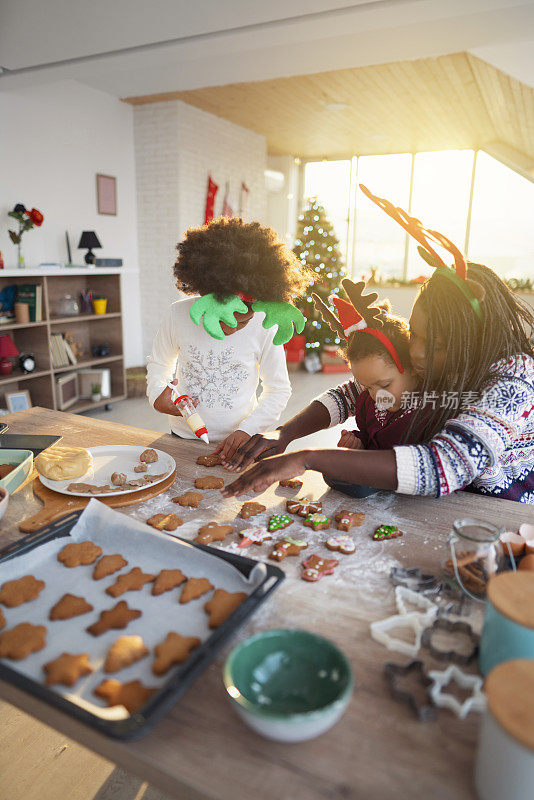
(414, 579)
(403, 595)
(380, 632)
(450, 626)
(424, 711)
(441, 678)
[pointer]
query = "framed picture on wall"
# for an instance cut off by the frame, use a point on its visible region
(66, 390)
(18, 401)
(106, 194)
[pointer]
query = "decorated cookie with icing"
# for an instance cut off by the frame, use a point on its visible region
(387, 532)
(279, 521)
(288, 547)
(317, 521)
(253, 536)
(316, 567)
(303, 507)
(342, 544)
(346, 520)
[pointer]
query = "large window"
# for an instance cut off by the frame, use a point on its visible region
(484, 207)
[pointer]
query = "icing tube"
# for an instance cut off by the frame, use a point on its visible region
(188, 411)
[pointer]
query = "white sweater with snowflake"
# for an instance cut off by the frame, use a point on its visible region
(222, 374)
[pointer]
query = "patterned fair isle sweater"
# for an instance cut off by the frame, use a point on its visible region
(488, 448)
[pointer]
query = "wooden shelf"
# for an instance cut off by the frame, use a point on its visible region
(12, 326)
(84, 318)
(94, 362)
(17, 375)
(87, 405)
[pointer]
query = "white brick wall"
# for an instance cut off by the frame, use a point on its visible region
(176, 147)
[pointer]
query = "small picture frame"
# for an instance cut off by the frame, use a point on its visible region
(66, 390)
(18, 401)
(106, 194)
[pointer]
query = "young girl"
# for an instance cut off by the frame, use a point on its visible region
(470, 342)
(220, 345)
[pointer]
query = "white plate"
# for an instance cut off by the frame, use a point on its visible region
(110, 459)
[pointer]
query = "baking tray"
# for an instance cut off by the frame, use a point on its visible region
(25, 557)
(21, 441)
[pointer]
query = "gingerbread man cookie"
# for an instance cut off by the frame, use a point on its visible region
(191, 499)
(124, 652)
(195, 587)
(316, 567)
(132, 581)
(287, 547)
(318, 522)
(132, 695)
(213, 460)
(148, 456)
(67, 669)
(212, 532)
(22, 590)
(108, 565)
(251, 509)
(222, 605)
(79, 554)
(165, 522)
(117, 617)
(70, 606)
(293, 483)
(18, 642)
(175, 649)
(209, 482)
(168, 579)
(348, 519)
(304, 507)
(343, 544)
(253, 536)
(279, 521)
(387, 532)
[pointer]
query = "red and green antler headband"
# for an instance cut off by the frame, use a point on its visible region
(357, 316)
(424, 236)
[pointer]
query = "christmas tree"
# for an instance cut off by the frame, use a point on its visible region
(317, 246)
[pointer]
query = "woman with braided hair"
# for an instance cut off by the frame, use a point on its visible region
(470, 344)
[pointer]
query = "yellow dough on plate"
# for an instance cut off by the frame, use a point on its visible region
(63, 463)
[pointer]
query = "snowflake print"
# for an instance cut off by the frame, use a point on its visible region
(506, 399)
(215, 378)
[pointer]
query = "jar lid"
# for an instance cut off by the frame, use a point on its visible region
(510, 691)
(512, 594)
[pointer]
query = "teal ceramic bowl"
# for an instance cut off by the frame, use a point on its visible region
(24, 461)
(288, 685)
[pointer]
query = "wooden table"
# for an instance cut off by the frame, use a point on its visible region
(378, 749)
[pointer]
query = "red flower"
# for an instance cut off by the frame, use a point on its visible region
(35, 216)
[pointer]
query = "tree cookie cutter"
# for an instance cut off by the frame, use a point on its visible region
(414, 579)
(423, 604)
(441, 678)
(424, 711)
(380, 632)
(450, 626)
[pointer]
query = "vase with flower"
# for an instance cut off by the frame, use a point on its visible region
(26, 220)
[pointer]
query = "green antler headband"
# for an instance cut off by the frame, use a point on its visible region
(211, 312)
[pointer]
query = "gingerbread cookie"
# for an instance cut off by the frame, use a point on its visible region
(287, 547)
(132, 695)
(213, 460)
(279, 521)
(212, 532)
(118, 479)
(387, 532)
(70, 606)
(104, 489)
(18, 642)
(131, 581)
(80, 488)
(346, 520)
(79, 554)
(304, 507)
(117, 617)
(168, 579)
(343, 544)
(209, 482)
(251, 509)
(2, 620)
(191, 499)
(175, 649)
(316, 567)
(67, 668)
(148, 456)
(108, 565)
(293, 483)
(165, 522)
(149, 479)
(22, 590)
(222, 604)
(253, 536)
(140, 467)
(319, 522)
(124, 652)
(195, 587)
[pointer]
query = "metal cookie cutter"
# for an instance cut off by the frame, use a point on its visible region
(441, 678)
(413, 579)
(447, 625)
(425, 712)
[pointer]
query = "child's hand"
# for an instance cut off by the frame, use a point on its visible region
(350, 440)
(164, 404)
(228, 447)
(260, 445)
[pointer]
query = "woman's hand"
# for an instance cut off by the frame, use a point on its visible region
(164, 404)
(258, 446)
(268, 471)
(228, 446)
(350, 440)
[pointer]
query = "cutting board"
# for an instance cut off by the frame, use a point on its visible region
(56, 505)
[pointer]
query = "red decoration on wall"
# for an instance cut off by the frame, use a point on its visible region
(210, 199)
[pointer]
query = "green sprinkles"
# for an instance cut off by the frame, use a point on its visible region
(279, 521)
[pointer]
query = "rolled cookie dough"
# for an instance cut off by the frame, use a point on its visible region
(63, 463)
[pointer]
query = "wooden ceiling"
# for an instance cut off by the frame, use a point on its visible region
(449, 102)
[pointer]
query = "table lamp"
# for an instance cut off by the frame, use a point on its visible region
(89, 239)
(7, 351)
